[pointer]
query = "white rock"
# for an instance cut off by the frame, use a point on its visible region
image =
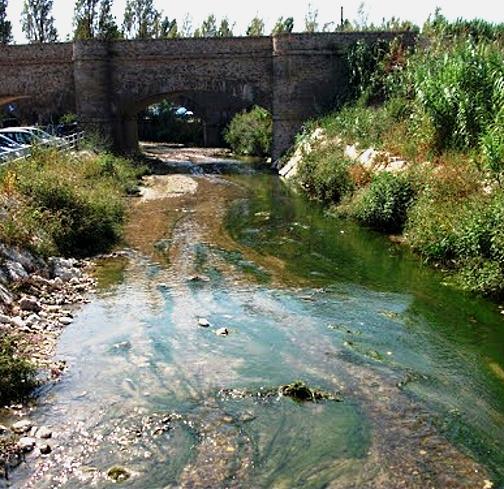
(26, 443)
(43, 432)
(65, 321)
(222, 332)
(22, 426)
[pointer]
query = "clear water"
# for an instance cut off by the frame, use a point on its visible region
(419, 366)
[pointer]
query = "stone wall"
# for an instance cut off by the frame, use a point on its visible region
(38, 78)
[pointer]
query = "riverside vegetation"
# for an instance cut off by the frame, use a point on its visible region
(440, 107)
(54, 204)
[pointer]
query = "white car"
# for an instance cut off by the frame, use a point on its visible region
(43, 136)
(31, 136)
(9, 149)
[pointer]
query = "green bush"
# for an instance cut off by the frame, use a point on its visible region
(77, 203)
(17, 375)
(466, 235)
(324, 174)
(385, 204)
(250, 133)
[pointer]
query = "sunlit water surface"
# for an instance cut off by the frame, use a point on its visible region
(418, 367)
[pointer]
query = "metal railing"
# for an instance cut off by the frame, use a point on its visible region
(65, 143)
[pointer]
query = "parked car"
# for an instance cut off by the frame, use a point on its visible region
(44, 136)
(20, 136)
(10, 149)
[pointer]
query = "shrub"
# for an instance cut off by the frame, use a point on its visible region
(385, 203)
(324, 174)
(75, 202)
(17, 375)
(250, 133)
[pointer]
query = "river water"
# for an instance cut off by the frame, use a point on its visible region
(415, 367)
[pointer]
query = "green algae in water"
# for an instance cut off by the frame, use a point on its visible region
(110, 273)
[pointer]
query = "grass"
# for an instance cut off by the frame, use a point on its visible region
(441, 107)
(57, 203)
(17, 374)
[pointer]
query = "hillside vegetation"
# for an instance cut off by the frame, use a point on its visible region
(440, 106)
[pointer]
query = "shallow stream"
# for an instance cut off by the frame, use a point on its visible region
(417, 367)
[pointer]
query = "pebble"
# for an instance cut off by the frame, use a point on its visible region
(45, 448)
(65, 321)
(43, 432)
(30, 304)
(22, 426)
(26, 443)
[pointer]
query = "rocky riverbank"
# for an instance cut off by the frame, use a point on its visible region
(38, 299)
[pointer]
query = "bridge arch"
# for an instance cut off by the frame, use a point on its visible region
(216, 108)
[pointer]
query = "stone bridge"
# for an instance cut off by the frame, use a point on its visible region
(295, 76)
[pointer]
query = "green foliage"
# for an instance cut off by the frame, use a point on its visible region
(85, 19)
(67, 205)
(323, 173)
(283, 26)
(250, 133)
(385, 203)
(17, 375)
(457, 91)
(68, 118)
(107, 29)
(37, 21)
(5, 25)
(256, 27)
(466, 235)
(208, 27)
(141, 20)
(311, 19)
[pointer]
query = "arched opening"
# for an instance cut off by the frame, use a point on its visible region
(191, 118)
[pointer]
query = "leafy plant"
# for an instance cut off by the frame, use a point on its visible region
(250, 133)
(385, 204)
(17, 375)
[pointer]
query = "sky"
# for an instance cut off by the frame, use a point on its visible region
(242, 12)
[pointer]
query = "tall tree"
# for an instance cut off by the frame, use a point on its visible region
(311, 19)
(5, 25)
(208, 28)
(168, 29)
(141, 19)
(85, 19)
(187, 27)
(283, 26)
(256, 27)
(107, 25)
(37, 21)
(225, 28)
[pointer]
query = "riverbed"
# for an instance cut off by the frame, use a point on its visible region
(232, 285)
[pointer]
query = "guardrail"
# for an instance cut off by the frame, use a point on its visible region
(66, 143)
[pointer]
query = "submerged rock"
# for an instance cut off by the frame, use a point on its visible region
(118, 474)
(222, 332)
(299, 391)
